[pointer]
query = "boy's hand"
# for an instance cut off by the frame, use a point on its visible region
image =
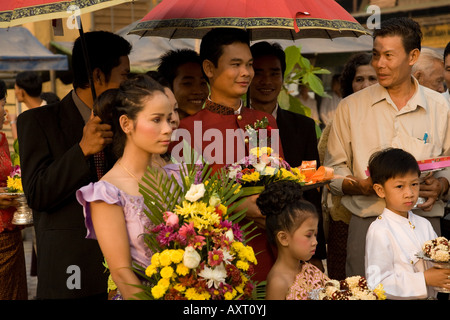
(437, 278)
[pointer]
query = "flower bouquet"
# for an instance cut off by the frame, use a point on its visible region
(437, 252)
(199, 250)
(259, 133)
(352, 288)
(263, 166)
(23, 215)
(14, 181)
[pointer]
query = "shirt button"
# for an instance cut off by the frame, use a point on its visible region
(239, 117)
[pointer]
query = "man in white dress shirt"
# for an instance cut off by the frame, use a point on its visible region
(396, 112)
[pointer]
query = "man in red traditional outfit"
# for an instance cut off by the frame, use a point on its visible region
(218, 131)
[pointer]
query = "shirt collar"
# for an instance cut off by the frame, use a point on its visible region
(84, 110)
(417, 100)
(398, 218)
(221, 109)
(274, 112)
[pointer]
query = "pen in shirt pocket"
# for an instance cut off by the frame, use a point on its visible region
(425, 137)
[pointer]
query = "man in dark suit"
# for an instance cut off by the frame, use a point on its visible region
(297, 132)
(58, 145)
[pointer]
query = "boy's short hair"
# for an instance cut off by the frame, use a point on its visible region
(211, 47)
(31, 82)
(390, 163)
(170, 61)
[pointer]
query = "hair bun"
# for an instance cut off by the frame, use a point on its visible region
(105, 106)
(277, 196)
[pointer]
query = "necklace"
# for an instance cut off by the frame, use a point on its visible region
(128, 171)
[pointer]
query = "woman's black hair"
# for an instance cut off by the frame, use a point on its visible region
(285, 210)
(127, 100)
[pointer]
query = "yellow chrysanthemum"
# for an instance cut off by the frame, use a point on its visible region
(270, 171)
(242, 265)
(166, 272)
(176, 255)
(165, 258)
(192, 294)
(223, 209)
(14, 184)
(379, 291)
(298, 174)
(286, 174)
(200, 213)
(252, 177)
(151, 270)
(229, 295)
(237, 246)
(165, 283)
(249, 254)
(155, 260)
(179, 287)
(158, 291)
(182, 270)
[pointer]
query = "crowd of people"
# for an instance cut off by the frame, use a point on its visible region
(82, 159)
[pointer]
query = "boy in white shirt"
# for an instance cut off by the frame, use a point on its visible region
(395, 237)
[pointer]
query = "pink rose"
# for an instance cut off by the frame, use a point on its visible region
(171, 219)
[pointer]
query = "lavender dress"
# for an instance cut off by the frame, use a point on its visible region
(136, 220)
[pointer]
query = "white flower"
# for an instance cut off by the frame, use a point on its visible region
(229, 234)
(259, 166)
(214, 276)
(227, 256)
(191, 258)
(233, 172)
(196, 191)
(214, 201)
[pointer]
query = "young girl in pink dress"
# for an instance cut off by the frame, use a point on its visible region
(291, 225)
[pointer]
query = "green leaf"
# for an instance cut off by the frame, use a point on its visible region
(292, 57)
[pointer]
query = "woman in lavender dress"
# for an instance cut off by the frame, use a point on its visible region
(140, 114)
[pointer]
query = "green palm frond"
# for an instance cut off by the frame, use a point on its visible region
(163, 193)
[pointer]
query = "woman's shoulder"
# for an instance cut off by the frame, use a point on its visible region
(100, 190)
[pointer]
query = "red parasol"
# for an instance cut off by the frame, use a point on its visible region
(263, 19)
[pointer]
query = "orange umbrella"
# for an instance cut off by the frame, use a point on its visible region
(263, 19)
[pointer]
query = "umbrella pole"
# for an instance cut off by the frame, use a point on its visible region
(86, 59)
